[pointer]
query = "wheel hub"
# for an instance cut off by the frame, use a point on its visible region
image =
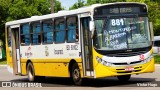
(76, 74)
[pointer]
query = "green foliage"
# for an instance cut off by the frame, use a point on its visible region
(157, 59)
(20, 9)
(154, 16)
(90, 2)
(3, 61)
(57, 6)
(78, 4)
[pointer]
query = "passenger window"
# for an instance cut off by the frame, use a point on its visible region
(59, 31)
(157, 43)
(47, 31)
(9, 37)
(25, 34)
(72, 27)
(36, 33)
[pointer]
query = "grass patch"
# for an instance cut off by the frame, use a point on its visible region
(3, 61)
(157, 59)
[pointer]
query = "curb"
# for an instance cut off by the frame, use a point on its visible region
(3, 65)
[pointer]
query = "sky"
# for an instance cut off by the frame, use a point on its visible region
(68, 3)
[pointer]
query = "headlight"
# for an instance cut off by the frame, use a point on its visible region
(98, 59)
(109, 64)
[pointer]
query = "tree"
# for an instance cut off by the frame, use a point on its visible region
(20, 9)
(26, 8)
(78, 4)
(154, 16)
(90, 2)
(4, 7)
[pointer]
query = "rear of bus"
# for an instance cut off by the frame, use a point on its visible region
(122, 41)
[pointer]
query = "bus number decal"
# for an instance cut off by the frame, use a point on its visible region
(117, 22)
(72, 47)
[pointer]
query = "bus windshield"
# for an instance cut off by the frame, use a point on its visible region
(121, 33)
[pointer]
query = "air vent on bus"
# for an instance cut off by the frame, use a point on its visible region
(135, 62)
(126, 54)
(136, 69)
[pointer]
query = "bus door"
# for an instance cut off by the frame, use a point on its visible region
(15, 48)
(86, 47)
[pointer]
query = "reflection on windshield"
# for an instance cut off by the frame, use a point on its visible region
(121, 33)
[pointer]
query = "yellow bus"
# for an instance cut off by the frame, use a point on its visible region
(97, 41)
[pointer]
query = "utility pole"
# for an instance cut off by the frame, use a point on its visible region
(52, 6)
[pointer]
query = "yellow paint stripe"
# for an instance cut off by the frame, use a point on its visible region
(57, 60)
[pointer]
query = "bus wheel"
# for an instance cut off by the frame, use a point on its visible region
(75, 75)
(124, 77)
(30, 72)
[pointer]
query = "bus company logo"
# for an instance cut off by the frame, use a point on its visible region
(28, 53)
(128, 62)
(141, 57)
(46, 51)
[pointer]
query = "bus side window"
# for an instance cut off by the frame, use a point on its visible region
(59, 30)
(9, 37)
(157, 43)
(25, 34)
(72, 27)
(36, 33)
(47, 31)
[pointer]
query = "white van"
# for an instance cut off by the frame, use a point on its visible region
(156, 45)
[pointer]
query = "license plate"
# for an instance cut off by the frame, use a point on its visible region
(129, 69)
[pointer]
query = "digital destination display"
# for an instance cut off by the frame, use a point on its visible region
(120, 9)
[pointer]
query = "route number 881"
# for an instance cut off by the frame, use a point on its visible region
(117, 22)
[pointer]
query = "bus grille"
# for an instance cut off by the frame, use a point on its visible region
(136, 62)
(136, 69)
(126, 54)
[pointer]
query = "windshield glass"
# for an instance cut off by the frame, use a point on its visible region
(121, 33)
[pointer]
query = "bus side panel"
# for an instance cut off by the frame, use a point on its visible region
(51, 69)
(23, 66)
(9, 59)
(56, 67)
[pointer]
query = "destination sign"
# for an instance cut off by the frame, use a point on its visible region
(120, 9)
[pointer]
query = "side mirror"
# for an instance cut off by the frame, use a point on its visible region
(151, 28)
(92, 27)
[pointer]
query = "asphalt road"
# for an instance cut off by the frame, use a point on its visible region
(142, 81)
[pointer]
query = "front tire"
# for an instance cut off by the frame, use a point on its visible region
(75, 75)
(31, 72)
(124, 78)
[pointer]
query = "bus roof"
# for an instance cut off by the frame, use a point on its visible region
(63, 13)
